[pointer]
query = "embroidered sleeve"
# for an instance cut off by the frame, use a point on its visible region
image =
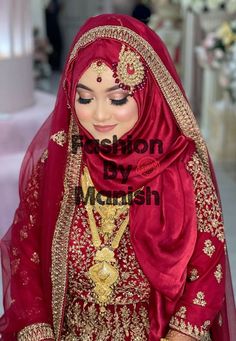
(203, 295)
(36, 332)
(26, 297)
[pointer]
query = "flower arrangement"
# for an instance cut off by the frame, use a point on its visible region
(217, 45)
(207, 5)
(218, 51)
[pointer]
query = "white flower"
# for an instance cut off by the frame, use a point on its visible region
(219, 54)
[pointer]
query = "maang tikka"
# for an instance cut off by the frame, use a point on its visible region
(129, 72)
(99, 68)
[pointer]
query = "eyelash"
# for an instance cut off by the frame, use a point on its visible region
(84, 100)
(119, 101)
(113, 101)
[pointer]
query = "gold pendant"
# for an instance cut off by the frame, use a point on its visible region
(103, 274)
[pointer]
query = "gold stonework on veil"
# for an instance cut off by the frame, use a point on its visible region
(130, 61)
(59, 138)
(62, 232)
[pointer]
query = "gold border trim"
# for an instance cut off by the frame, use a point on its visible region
(62, 232)
(36, 332)
(172, 93)
(205, 193)
(200, 333)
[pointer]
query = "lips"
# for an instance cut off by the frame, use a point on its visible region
(104, 128)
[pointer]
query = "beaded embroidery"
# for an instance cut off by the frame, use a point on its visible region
(130, 71)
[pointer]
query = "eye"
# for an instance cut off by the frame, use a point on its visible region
(119, 101)
(84, 100)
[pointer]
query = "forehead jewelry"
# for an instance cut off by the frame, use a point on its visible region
(129, 72)
(99, 68)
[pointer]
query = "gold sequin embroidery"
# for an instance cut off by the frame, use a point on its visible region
(24, 233)
(200, 299)
(44, 156)
(84, 322)
(38, 331)
(209, 212)
(193, 275)
(200, 333)
(31, 195)
(209, 248)
(59, 138)
(15, 265)
(35, 258)
(182, 312)
(218, 273)
(62, 231)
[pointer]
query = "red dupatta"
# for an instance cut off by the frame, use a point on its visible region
(42, 223)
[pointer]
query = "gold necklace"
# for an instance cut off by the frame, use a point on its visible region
(104, 272)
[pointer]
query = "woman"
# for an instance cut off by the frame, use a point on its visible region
(119, 233)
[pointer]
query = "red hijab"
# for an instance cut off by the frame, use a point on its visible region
(155, 122)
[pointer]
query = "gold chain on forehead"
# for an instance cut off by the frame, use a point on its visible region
(172, 93)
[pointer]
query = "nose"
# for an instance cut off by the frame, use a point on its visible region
(101, 113)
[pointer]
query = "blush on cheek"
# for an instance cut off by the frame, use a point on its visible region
(82, 114)
(123, 115)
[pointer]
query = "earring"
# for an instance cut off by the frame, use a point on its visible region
(99, 68)
(129, 72)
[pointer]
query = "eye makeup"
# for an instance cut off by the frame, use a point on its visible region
(84, 100)
(121, 101)
(113, 101)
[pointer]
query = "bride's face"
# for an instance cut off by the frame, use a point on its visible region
(104, 109)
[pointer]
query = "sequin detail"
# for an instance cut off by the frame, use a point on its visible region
(127, 310)
(38, 331)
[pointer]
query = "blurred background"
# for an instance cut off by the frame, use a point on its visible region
(34, 41)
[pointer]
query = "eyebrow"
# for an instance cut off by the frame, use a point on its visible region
(82, 86)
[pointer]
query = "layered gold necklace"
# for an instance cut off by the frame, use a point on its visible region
(104, 272)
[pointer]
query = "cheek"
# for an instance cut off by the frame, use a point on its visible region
(83, 113)
(127, 113)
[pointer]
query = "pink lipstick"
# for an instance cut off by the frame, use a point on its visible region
(104, 128)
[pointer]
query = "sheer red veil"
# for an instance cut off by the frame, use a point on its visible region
(35, 292)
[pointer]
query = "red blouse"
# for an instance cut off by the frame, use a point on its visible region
(126, 316)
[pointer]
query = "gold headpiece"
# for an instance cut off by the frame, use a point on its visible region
(99, 68)
(129, 71)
